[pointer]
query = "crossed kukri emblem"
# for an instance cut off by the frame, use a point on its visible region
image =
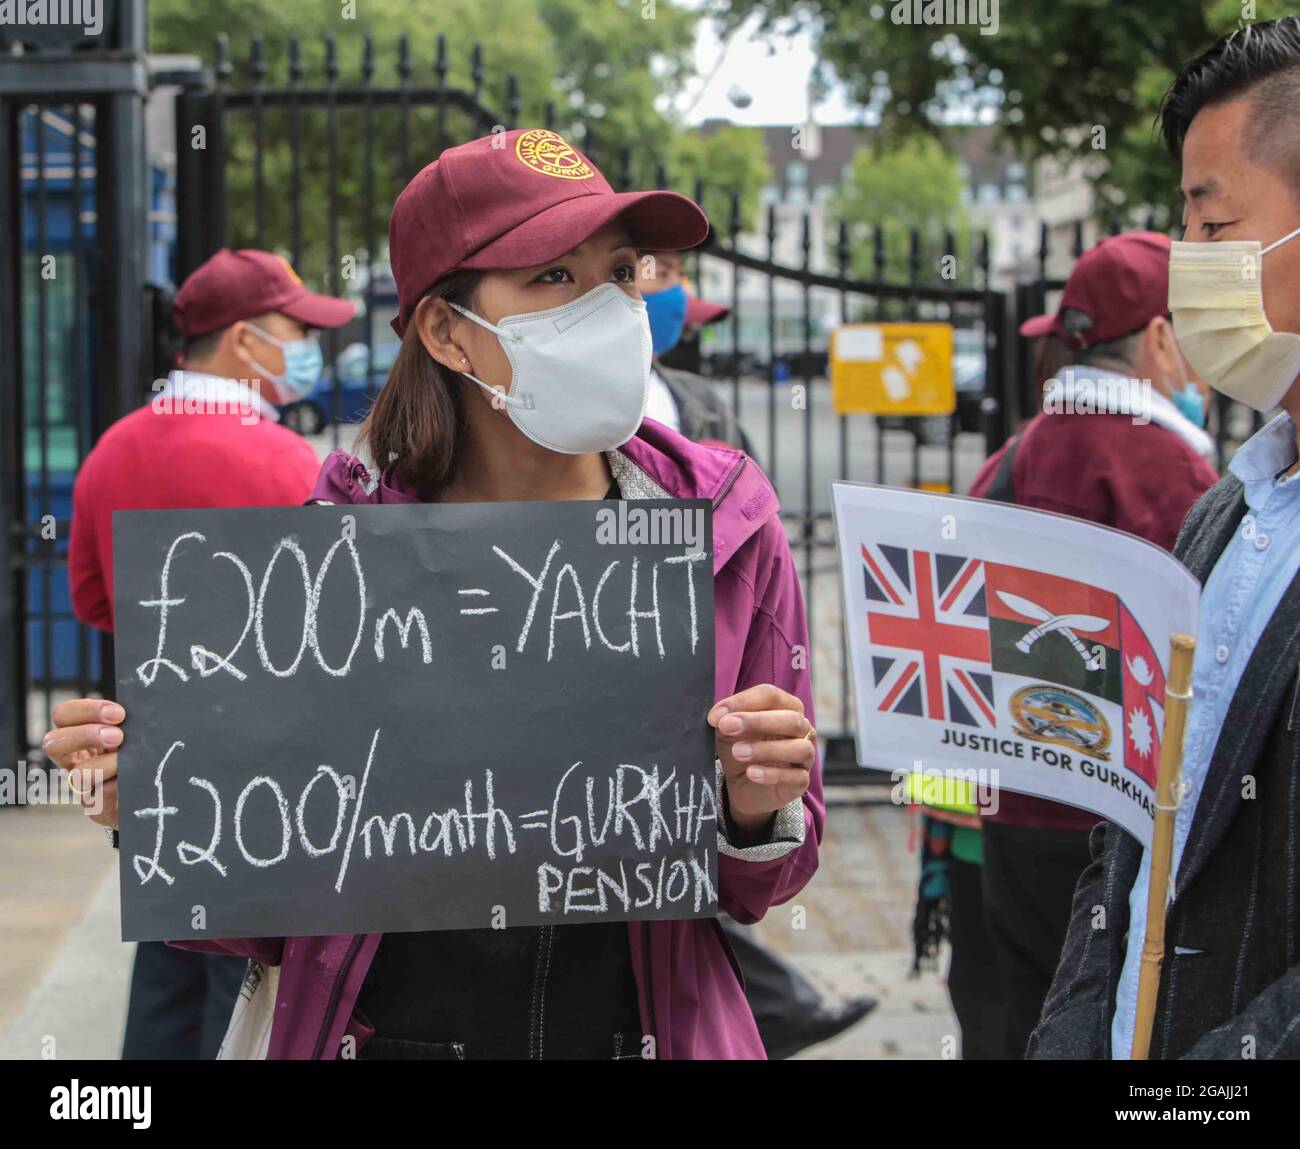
(1062, 624)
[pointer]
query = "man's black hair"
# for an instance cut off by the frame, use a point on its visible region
(199, 347)
(1262, 60)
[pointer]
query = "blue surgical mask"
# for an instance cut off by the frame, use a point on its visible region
(303, 362)
(1190, 403)
(667, 311)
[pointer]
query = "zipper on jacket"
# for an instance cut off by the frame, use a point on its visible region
(1295, 702)
(336, 990)
(729, 482)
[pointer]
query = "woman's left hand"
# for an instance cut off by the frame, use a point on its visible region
(767, 748)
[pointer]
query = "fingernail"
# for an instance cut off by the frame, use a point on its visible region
(715, 715)
(754, 773)
(111, 712)
(47, 741)
(731, 724)
(110, 735)
(742, 750)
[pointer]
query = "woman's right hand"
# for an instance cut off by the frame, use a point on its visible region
(84, 742)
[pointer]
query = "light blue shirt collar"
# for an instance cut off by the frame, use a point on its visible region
(1258, 460)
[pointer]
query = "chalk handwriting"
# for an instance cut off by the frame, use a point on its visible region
(652, 811)
(616, 628)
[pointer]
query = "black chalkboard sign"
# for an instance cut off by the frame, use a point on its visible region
(349, 719)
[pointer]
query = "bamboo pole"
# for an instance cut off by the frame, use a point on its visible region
(1178, 694)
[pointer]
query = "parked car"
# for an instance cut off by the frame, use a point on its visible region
(358, 388)
(969, 364)
(723, 365)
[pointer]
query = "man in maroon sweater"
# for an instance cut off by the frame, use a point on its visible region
(1118, 443)
(209, 437)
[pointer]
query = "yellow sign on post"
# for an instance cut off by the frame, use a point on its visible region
(892, 369)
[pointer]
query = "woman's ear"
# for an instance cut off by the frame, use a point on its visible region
(433, 323)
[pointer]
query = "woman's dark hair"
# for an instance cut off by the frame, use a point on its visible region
(1051, 356)
(415, 425)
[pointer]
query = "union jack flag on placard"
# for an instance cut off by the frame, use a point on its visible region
(927, 620)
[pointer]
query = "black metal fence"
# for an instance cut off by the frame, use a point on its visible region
(271, 156)
(73, 210)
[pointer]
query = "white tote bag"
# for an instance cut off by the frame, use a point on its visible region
(248, 1036)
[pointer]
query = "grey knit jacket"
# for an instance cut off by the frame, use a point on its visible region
(1230, 982)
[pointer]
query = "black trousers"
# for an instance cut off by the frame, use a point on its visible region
(973, 983)
(782, 1000)
(180, 1003)
(1028, 887)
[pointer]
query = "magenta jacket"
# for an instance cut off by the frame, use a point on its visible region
(688, 981)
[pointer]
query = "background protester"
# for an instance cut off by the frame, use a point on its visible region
(1115, 468)
(1230, 982)
(949, 908)
(208, 438)
(679, 399)
(790, 1012)
(558, 416)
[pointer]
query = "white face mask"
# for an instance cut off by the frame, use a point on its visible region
(1217, 303)
(580, 373)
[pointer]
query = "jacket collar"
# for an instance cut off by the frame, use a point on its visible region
(217, 393)
(1258, 712)
(657, 462)
(1098, 390)
(1263, 688)
(1260, 459)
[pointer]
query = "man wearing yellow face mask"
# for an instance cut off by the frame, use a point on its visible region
(1230, 982)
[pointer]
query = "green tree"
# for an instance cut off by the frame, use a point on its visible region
(604, 66)
(729, 160)
(1064, 79)
(910, 186)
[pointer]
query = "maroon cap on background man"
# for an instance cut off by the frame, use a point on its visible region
(1121, 285)
(515, 199)
(243, 284)
(700, 312)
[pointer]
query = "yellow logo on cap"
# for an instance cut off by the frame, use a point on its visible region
(292, 274)
(547, 153)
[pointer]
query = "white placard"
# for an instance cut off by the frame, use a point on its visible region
(1018, 649)
(859, 344)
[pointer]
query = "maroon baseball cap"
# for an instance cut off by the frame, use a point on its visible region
(515, 199)
(244, 284)
(1121, 285)
(700, 312)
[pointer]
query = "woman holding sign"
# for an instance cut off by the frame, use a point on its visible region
(523, 375)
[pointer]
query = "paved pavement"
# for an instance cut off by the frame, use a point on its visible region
(64, 972)
(857, 935)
